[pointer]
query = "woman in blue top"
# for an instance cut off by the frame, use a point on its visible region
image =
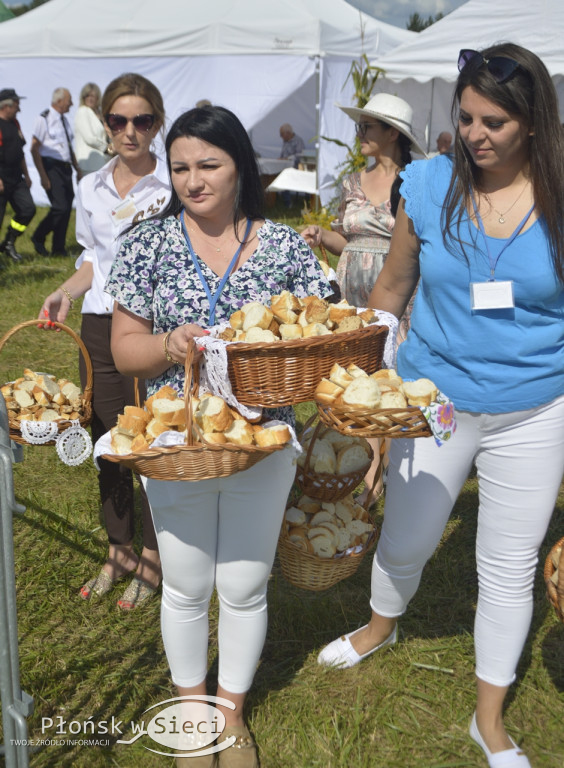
(484, 233)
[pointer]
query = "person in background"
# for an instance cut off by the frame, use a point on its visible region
(90, 137)
(444, 143)
(14, 177)
(213, 241)
(483, 231)
(132, 186)
(53, 155)
(292, 145)
(203, 103)
(368, 204)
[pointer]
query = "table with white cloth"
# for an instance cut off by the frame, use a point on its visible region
(270, 168)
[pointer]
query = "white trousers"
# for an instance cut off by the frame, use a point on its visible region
(520, 462)
(220, 533)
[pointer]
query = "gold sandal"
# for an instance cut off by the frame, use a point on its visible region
(136, 592)
(242, 753)
(99, 586)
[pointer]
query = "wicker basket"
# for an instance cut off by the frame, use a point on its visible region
(324, 485)
(195, 460)
(86, 409)
(549, 570)
(377, 422)
(287, 372)
(314, 573)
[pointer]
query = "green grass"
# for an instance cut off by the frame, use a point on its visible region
(406, 708)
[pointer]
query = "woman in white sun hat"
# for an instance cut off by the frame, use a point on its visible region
(369, 199)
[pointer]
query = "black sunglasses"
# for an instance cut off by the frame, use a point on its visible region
(361, 128)
(141, 123)
(500, 67)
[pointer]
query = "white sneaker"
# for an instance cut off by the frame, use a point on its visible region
(340, 653)
(507, 758)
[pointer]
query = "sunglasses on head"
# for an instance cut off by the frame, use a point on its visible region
(500, 67)
(141, 123)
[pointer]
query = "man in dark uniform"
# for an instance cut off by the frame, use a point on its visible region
(51, 149)
(14, 178)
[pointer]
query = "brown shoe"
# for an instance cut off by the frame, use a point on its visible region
(242, 753)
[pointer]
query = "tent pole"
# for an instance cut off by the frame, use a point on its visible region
(431, 115)
(317, 127)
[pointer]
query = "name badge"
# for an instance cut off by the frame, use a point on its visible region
(495, 294)
(124, 210)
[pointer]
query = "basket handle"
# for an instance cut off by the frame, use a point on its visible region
(87, 393)
(307, 425)
(191, 381)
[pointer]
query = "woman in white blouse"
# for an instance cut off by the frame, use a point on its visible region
(90, 138)
(134, 185)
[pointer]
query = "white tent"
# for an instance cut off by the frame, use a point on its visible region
(423, 70)
(270, 61)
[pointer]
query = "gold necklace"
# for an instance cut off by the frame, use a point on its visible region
(501, 215)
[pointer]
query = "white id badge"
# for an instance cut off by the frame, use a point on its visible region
(124, 210)
(495, 294)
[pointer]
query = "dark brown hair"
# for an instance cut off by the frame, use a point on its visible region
(131, 84)
(529, 96)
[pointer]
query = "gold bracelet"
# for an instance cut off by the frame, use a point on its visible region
(67, 294)
(165, 348)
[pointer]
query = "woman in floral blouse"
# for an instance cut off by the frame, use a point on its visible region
(209, 253)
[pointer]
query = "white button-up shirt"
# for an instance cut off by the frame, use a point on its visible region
(50, 133)
(102, 217)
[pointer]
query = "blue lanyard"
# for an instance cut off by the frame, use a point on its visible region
(493, 262)
(215, 298)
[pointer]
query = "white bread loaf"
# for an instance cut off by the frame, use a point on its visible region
(328, 392)
(217, 438)
(295, 516)
(340, 376)
(256, 316)
(354, 371)
(139, 443)
(279, 434)
(155, 428)
(290, 332)
(285, 307)
(121, 444)
(420, 392)
(392, 399)
(315, 329)
(133, 421)
(337, 312)
(363, 392)
(310, 506)
(164, 393)
(316, 311)
(213, 415)
(322, 457)
(172, 413)
(23, 398)
(256, 335)
(349, 324)
(239, 432)
(236, 320)
(351, 459)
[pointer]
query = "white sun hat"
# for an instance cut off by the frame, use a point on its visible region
(391, 110)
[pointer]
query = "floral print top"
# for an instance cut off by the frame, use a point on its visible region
(154, 278)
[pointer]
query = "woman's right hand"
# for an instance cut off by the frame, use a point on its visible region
(313, 235)
(55, 308)
(177, 343)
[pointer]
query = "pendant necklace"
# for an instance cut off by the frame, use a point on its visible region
(501, 215)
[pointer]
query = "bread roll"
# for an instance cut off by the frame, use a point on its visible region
(363, 392)
(323, 516)
(355, 371)
(317, 310)
(218, 438)
(239, 432)
(120, 443)
(315, 329)
(256, 316)
(213, 415)
(290, 332)
(285, 307)
(351, 459)
(155, 428)
(279, 434)
(349, 324)
(256, 335)
(339, 375)
(23, 398)
(420, 392)
(48, 414)
(164, 393)
(368, 316)
(328, 392)
(295, 516)
(392, 399)
(139, 443)
(323, 546)
(338, 312)
(310, 506)
(172, 413)
(133, 420)
(322, 457)
(236, 320)
(40, 396)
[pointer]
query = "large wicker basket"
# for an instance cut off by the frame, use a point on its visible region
(196, 460)
(549, 570)
(375, 422)
(86, 408)
(308, 571)
(324, 485)
(287, 372)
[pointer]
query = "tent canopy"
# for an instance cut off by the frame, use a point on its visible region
(270, 61)
(423, 70)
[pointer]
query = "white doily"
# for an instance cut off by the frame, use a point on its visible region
(74, 444)
(39, 432)
(214, 376)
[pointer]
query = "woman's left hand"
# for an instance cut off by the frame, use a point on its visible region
(177, 343)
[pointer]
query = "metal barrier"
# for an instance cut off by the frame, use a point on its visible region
(16, 704)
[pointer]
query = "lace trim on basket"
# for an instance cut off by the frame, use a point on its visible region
(73, 445)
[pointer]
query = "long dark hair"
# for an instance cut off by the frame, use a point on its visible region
(221, 128)
(529, 96)
(405, 149)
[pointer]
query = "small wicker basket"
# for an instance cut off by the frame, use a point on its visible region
(549, 570)
(86, 409)
(324, 485)
(196, 460)
(375, 422)
(308, 571)
(287, 372)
